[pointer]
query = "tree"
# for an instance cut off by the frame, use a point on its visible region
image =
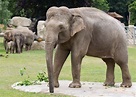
(38, 8)
(121, 7)
(132, 9)
(5, 14)
(100, 4)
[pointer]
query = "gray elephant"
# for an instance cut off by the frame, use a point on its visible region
(84, 31)
(18, 42)
(7, 37)
(10, 47)
(29, 37)
(17, 37)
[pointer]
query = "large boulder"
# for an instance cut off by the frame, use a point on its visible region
(38, 45)
(20, 21)
(41, 29)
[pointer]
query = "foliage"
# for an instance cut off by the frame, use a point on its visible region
(5, 14)
(121, 7)
(101, 4)
(40, 77)
(34, 8)
(132, 9)
(25, 83)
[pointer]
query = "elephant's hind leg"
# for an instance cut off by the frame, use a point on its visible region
(121, 58)
(125, 74)
(60, 57)
(110, 72)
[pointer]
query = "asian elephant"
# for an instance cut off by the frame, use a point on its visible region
(28, 35)
(84, 31)
(10, 47)
(15, 36)
(7, 37)
(18, 42)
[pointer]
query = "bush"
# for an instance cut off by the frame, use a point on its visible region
(40, 77)
(5, 14)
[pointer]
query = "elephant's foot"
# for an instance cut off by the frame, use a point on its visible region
(56, 84)
(126, 84)
(75, 85)
(108, 83)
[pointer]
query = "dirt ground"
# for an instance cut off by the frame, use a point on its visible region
(88, 89)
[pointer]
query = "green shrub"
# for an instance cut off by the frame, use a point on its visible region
(5, 14)
(40, 77)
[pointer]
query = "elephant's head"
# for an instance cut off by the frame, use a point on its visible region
(61, 25)
(8, 36)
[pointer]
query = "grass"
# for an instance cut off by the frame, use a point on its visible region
(93, 69)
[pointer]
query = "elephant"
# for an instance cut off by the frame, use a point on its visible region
(10, 47)
(18, 42)
(29, 36)
(17, 37)
(7, 37)
(84, 31)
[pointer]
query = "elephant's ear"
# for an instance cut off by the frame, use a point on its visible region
(77, 24)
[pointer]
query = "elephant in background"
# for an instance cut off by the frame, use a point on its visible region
(84, 31)
(7, 37)
(10, 47)
(15, 36)
(18, 42)
(28, 35)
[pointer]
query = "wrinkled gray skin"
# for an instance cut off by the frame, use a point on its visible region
(84, 31)
(10, 47)
(18, 42)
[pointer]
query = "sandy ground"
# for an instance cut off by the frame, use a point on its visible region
(88, 89)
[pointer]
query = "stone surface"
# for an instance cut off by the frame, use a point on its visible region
(20, 21)
(88, 89)
(41, 29)
(38, 45)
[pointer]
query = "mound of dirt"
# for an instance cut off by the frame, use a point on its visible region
(93, 89)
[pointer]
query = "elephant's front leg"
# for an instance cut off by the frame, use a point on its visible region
(60, 57)
(76, 60)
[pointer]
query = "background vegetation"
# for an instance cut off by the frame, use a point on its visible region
(38, 8)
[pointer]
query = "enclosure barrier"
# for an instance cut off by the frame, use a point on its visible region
(131, 34)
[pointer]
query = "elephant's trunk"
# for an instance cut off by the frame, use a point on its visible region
(49, 58)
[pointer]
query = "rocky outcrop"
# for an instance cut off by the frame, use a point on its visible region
(41, 29)
(38, 45)
(20, 21)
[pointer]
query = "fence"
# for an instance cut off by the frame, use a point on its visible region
(131, 35)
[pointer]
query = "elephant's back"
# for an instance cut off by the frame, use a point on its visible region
(107, 33)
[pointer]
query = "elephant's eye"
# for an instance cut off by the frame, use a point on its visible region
(61, 27)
